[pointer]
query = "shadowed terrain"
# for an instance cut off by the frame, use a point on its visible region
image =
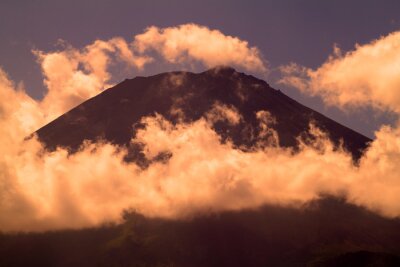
(327, 232)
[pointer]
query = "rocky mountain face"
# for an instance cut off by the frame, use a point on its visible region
(115, 114)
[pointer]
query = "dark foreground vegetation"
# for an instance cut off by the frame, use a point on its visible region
(327, 232)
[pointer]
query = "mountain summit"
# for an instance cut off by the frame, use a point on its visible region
(114, 114)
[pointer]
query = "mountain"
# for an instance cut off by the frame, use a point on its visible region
(114, 114)
(325, 232)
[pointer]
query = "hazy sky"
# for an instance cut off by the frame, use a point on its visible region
(302, 31)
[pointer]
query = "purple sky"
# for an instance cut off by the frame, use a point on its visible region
(285, 31)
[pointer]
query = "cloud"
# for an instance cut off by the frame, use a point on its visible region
(56, 190)
(368, 75)
(192, 42)
(74, 75)
(222, 112)
(267, 136)
(20, 114)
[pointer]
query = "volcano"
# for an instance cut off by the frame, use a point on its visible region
(115, 114)
(325, 232)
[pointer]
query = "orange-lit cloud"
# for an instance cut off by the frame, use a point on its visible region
(74, 75)
(222, 112)
(368, 75)
(192, 42)
(54, 190)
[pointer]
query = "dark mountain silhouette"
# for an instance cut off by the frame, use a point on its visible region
(325, 232)
(114, 114)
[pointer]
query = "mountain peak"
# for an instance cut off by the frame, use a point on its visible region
(112, 114)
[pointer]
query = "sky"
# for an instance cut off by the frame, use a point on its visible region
(303, 31)
(339, 57)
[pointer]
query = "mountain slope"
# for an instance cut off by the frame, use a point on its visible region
(114, 114)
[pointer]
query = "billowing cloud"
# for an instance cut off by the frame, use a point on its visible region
(192, 42)
(53, 190)
(74, 75)
(20, 115)
(368, 75)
